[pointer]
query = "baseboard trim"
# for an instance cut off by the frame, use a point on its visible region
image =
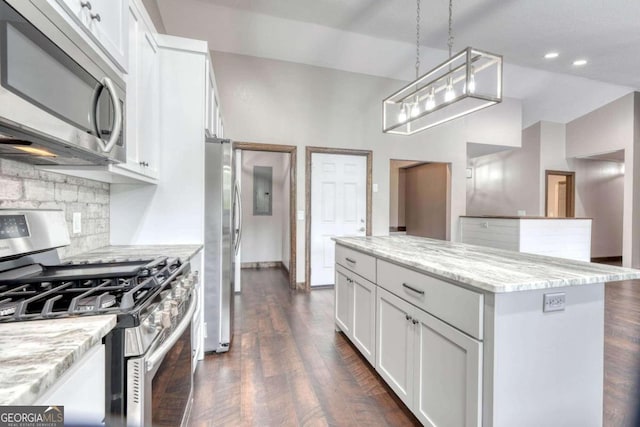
(263, 264)
(607, 259)
(301, 286)
(319, 287)
(396, 229)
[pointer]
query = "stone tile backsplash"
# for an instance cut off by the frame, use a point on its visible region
(22, 186)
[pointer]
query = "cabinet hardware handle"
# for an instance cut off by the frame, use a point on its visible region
(352, 261)
(86, 4)
(418, 291)
(406, 316)
(96, 16)
(414, 321)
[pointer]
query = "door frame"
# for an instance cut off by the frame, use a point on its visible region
(307, 219)
(293, 154)
(571, 191)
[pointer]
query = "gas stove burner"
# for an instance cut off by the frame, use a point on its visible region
(89, 303)
(8, 308)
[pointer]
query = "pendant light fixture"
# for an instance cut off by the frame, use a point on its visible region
(468, 81)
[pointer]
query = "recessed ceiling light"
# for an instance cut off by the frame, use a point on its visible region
(580, 62)
(551, 55)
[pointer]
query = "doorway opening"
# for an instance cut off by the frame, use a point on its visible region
(267, 187)
(338, 203)
(420, 198)
(560, 194)
(600, 189)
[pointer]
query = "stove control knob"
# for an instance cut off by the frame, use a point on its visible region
(157, 318)
(172, 306)
(178, 292)
(166, 318)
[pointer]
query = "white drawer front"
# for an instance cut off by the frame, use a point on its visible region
(453, 304)
(359, 263)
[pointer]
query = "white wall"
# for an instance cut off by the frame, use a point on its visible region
(171, 212)
(269, 101)
(508, 181)
(263, 235)
(600, 186)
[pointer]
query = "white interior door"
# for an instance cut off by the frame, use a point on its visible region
(338, 208)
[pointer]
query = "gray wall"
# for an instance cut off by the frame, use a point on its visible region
(600, 188)
(506, 182)
(24, 187)
(154, 14)
(268, 101)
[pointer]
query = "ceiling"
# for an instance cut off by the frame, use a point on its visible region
(604, 32)
(614, 156)
(377, 38)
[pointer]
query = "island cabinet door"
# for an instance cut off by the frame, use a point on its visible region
(344, 302)
(364, 317)
(447, 373)
(394, 344)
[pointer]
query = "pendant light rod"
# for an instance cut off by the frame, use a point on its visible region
(450, 39)
(417, 39)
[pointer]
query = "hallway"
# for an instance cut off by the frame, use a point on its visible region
(287, 367)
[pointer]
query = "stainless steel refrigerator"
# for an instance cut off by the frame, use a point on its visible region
(220, 241)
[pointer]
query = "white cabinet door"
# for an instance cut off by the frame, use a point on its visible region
(394, 341)
(364, 317)
(143, 99)
(108, 21)
(148, 104)
(105, 22)
(343, 302)
(447, 373)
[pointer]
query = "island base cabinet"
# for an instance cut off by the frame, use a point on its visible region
(448, 374)
(344, 300)
(435, 369)
(355, 310)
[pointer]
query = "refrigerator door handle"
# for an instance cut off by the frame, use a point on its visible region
(238, 206)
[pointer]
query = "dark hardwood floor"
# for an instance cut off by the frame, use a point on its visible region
(287, 366)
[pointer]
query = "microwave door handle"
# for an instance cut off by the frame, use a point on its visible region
(117, 111)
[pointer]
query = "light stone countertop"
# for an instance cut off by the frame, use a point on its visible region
(484, 268)
(111, 253)
(35, 354)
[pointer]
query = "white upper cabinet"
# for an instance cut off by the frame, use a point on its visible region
(213, 119)
(143, 98)
(104, 22)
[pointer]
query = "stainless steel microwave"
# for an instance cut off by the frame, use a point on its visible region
(57, 105)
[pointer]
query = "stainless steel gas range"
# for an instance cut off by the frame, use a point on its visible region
(148, 353)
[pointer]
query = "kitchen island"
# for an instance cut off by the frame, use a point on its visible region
(559, 237)
(474, 336)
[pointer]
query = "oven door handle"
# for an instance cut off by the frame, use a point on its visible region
(159, 354)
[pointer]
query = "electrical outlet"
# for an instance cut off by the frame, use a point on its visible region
(77, 222)
(204, 334)
(554, 302)
(300, 216)
(375, 188)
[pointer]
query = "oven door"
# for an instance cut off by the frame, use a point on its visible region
(52, 109)
(160, 383)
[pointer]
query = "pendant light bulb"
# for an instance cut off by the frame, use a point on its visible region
(472, 81)
(402, 115)
(449, 93)
(431, 100)
(415, 110)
